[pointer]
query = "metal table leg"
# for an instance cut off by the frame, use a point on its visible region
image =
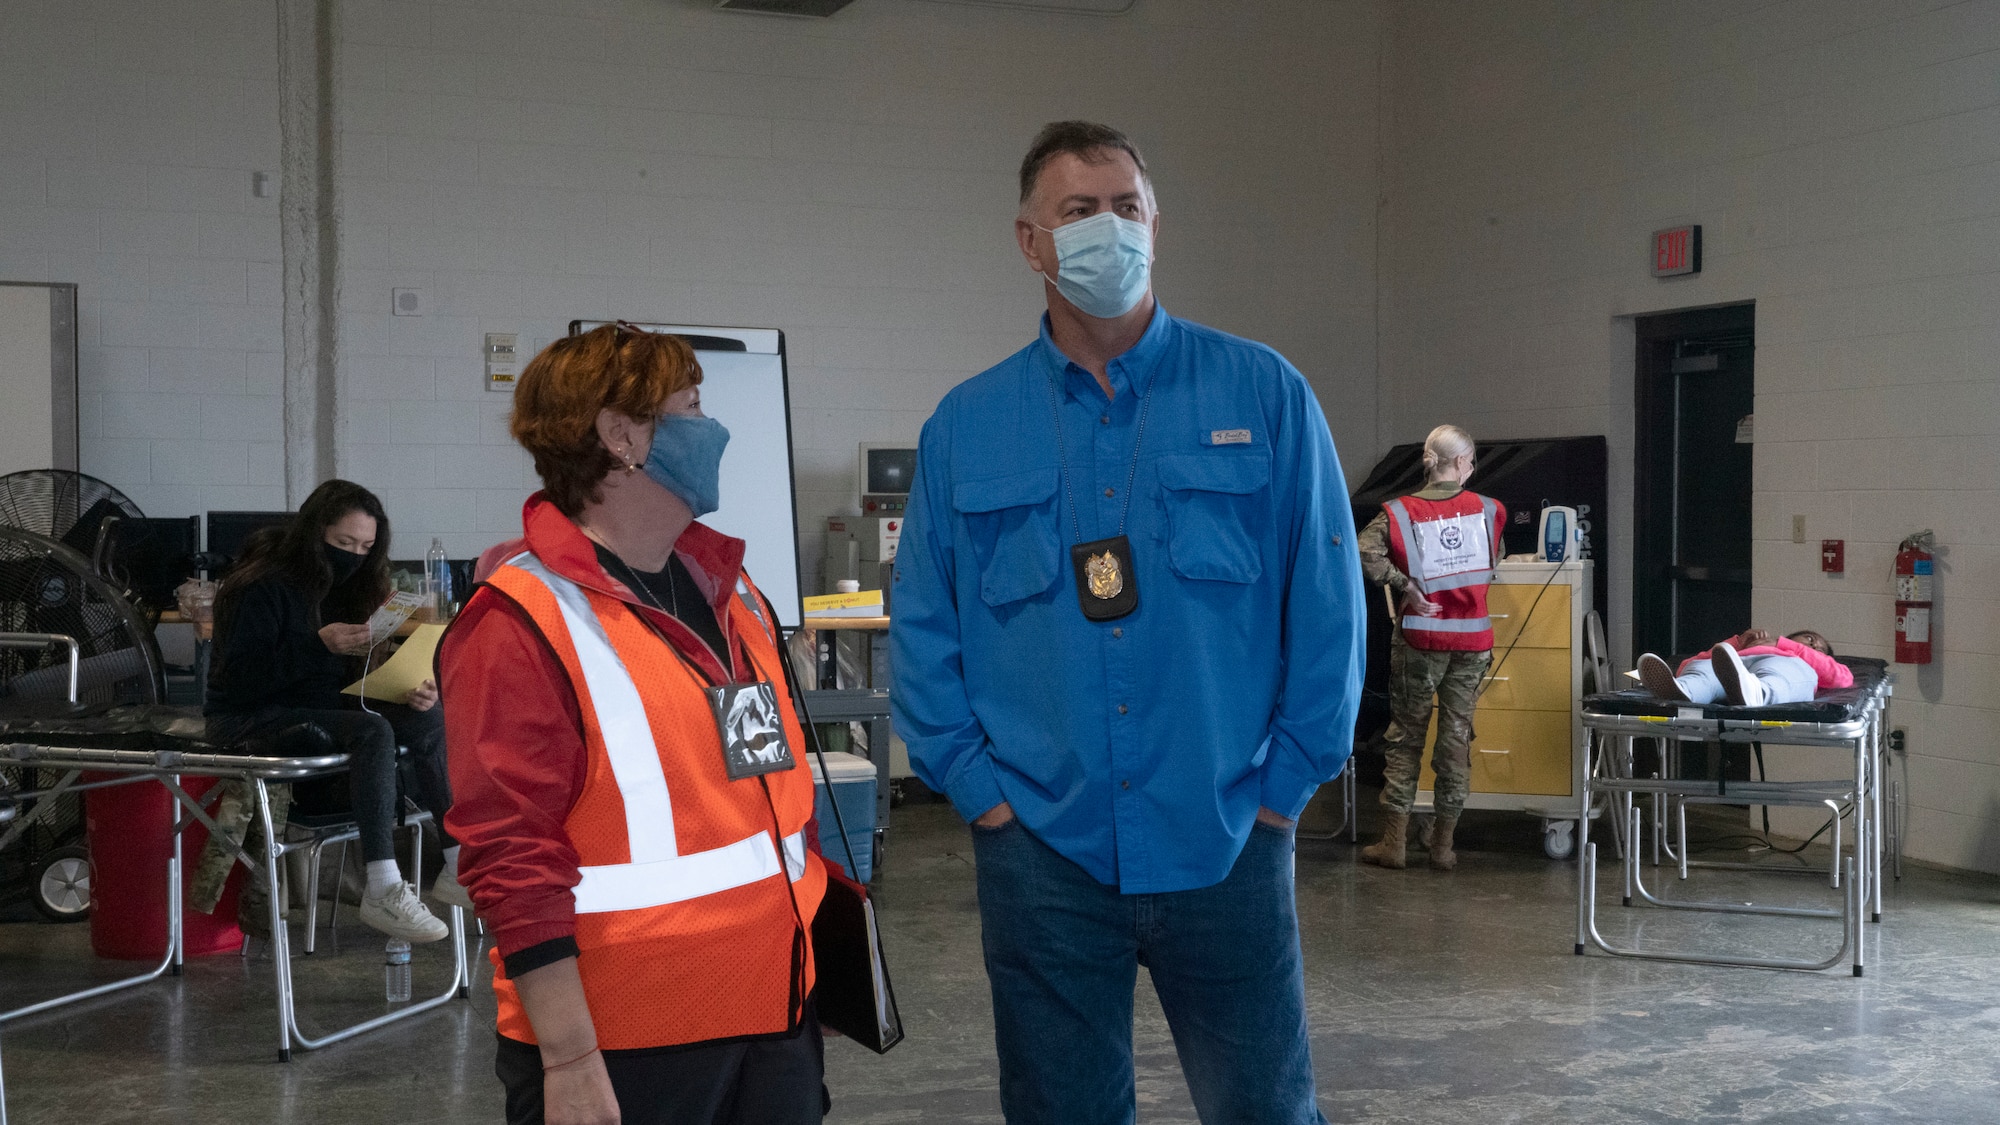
(289, 1032)
(170, 961)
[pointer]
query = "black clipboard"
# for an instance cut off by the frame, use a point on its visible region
(852, 993)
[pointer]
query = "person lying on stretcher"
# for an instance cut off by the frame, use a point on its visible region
(1751, 670)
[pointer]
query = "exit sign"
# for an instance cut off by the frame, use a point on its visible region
(1676, 250)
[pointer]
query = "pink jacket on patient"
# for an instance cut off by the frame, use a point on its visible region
(1832, 673)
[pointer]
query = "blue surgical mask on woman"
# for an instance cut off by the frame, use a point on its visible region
(686, 459)
(1104, 263)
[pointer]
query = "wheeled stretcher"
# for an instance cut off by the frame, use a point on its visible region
(164, 745)
(1853, 720)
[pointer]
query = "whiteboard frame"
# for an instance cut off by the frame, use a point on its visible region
(756, 341)
(64, 437)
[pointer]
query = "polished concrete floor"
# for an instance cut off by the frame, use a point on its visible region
(1437, 999)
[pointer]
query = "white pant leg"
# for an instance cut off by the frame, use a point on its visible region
(1786, 679)
(1699, 684)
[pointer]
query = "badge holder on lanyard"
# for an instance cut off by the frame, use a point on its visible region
(1107, 587)
(746, 714)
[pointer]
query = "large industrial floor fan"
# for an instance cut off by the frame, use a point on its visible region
(47, 587)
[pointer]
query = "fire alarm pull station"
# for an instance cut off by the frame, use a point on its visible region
(1833, 556)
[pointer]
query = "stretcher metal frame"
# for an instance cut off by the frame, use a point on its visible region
(1609, 740)
(167, 767)
(8, 810)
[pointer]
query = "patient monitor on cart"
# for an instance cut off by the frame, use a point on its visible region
(1559, 537)
(863, 547)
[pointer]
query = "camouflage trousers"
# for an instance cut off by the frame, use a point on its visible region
(1415, 676)
(233, 813)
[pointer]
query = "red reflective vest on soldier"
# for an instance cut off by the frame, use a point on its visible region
(1448, 548)
(696, 893)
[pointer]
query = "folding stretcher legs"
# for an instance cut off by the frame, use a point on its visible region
(289, 1031)
(1856, 874)
(170, 961)
(167, 769)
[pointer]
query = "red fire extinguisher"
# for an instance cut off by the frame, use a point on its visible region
(1914, 592)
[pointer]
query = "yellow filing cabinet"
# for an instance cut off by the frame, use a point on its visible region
(1526, 729)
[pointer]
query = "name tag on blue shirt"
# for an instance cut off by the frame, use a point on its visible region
(1229, 437)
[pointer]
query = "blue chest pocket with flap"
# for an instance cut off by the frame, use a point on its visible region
(1216, 513)
(1011, 521)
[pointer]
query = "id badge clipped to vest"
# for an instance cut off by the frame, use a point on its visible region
(752, 730)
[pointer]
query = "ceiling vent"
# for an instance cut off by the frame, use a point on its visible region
(812, 8)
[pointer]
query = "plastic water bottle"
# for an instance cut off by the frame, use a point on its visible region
(437, 575)
(396, 971)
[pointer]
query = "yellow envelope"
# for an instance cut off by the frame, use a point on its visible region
(403, 672)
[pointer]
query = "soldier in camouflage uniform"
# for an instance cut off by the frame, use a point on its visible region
(1416, 675)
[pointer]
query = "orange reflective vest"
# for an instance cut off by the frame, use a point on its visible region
(1448, 548)
(685, 928)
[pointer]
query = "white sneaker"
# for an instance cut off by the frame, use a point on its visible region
(1738, 685)
(399, 913)
(1658, 676)
(448, 891)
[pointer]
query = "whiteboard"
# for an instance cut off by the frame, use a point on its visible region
(748, 392)
(37, 376)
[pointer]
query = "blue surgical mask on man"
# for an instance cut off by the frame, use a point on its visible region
(686, 459)
(1104, 263)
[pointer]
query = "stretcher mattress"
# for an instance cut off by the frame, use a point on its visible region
(1845, 705)
(153, 729)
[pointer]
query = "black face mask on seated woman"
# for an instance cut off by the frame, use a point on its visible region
(344, 563)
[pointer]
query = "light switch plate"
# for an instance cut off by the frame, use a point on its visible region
(503, 360)
(1798, 529)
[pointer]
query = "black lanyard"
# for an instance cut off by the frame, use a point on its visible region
(640, 588)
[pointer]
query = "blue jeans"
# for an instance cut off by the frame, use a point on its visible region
(1062, 956)
(1786, 679)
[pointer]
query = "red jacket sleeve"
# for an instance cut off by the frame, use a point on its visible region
(1832, 673)
(514, 738)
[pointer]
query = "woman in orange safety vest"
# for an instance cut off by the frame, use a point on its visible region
(647, 875)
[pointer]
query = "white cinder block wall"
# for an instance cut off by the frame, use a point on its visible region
(850, 181)
(1843, 158)
(128, 135)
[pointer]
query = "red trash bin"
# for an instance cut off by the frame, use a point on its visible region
(126, 829)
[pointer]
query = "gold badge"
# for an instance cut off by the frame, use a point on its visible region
(1106, 580)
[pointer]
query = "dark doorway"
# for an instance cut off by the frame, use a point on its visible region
(1691, 493)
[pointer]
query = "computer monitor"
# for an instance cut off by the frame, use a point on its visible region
(887, 470)
(150, 558)
(227, 531)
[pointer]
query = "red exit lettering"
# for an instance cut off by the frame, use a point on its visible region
(1676, 250)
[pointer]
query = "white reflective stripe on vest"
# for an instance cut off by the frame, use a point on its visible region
(637, 886)
(1461, 581)
(658, 873)
(1447, 624)
(1409, 536)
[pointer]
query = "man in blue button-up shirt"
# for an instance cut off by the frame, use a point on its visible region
(1132, 772)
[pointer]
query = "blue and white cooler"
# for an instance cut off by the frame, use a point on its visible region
(853, 786)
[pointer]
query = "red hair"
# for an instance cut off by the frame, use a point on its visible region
(611, 367)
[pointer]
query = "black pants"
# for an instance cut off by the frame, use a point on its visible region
(740, 1082)
(370, 741)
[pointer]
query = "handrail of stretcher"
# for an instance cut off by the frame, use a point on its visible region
(51, 640)
(170, 761)
(1728, 729)
(1794, 732)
